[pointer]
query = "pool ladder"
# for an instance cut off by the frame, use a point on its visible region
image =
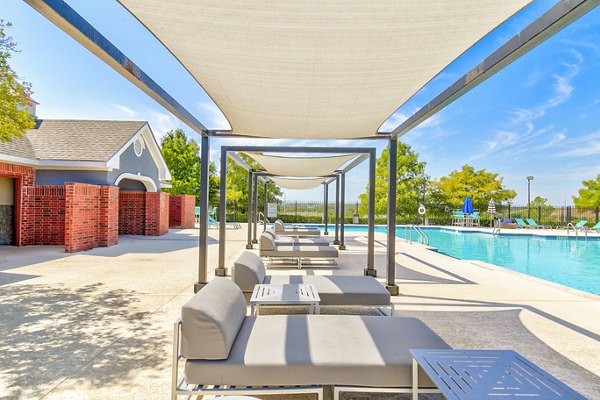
(423, 238)
(571, 226)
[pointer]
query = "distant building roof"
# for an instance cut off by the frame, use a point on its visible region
(72, 140)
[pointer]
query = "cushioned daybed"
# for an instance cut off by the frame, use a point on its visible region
(292, 241)
(268, 248)
(291, 353)
(334, 290)
(281, 229)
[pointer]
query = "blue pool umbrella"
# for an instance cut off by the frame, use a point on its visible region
(467, 207)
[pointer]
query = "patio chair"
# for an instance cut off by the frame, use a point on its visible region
(521, 223)
(596, 227)
(229, 353)
(475, 219)
(334, 290)
(281, 229)
(268, 248)
(581, 224)
(535, 225)
(292, 241)
(215, 224)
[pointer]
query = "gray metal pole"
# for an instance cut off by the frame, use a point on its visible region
(250, 197)
(325, 208)
(337, 210)
(221, 271)
(370, 270)
(203, 228)
(343, 213)
(255, 209)
(265, 206)
(391, 218)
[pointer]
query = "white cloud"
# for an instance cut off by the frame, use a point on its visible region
(131, 113)
(212, 117)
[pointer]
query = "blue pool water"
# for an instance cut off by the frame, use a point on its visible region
(570, 262)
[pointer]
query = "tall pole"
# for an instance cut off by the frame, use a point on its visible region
(529, 179)
(221, 271)
(343, 213)
(203, 226)
(337, 210)
(255, 208)
(391, 218)
(250, 197)
(325, 206)
(265, 206)
(370, 270)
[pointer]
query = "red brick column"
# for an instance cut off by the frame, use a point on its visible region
(24, 219)
(181, 211)
(108, 228)
(132, 213)
(157, 213)
(46, 208)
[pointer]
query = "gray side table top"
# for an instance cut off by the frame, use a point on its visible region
(490, 374)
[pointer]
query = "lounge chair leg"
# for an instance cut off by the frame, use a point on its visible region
(415, 380)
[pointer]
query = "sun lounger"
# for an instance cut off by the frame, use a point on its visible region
(227, 352)
(535, 225)
(334, 290)
(521, 223)
(281, 229)
(268, 248)
(292, 241)
(596, 227)
(214, 223)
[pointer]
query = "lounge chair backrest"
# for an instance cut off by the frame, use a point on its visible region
(279, 226)
(475, 215)
(271, 233)
(581, 223)
(520, 221)
(211, 320)
(248, 270)
(266, 242)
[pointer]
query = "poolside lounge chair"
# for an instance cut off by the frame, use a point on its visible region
(535, 225)
(281, 229)
(292, 241)
(577, 226)
(334, 290)
(521, 223)
(213, 223)
(268, 248)
(458, 218)
(227, 352)
(596, 227)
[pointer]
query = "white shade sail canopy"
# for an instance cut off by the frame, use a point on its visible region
(297, 183)
(314, 69)
(301, 167)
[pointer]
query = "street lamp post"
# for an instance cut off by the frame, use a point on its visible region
(529, 179)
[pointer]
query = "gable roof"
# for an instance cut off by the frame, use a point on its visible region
(73, 140)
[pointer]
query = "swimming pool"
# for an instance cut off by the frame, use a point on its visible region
(570, 262)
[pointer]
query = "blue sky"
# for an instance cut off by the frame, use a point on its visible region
(539, 116)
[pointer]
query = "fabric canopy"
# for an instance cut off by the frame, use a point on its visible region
(313, 69)
(298, 167)
(297, 183)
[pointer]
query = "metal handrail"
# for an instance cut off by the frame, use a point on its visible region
(264, 220)
(496, 230)
(570, 225)
(423, 238)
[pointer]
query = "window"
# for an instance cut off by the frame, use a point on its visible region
(138, 146)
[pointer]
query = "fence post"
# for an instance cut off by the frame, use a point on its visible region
(568, 214)
(597, 209)
(509, 211)
(296, 211)
(539, 218)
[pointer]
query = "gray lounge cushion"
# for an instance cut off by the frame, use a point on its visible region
(340, 290)
(300, 251)
(248, 271)
(320, 350)
(292, 241)
(211, 320)
(280, 229)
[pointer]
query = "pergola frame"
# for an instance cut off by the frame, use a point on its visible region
(364, 153)
(555, 19)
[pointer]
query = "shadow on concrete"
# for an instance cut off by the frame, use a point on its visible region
(48, 334)
(8, 278)
(15, 257)
(410, 274)
(504, 330)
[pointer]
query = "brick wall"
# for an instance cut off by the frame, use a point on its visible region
(181, 211)
(44, 213)
(132, 213)
(108, 225)
(157, 213)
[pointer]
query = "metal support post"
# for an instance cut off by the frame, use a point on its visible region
(203, 228)
(265, 205)
(370, 270)
(343, 213)
(337, 210)
(391, 218)
(250, 197)
(325, 208)
(221, 271)
(255, 210)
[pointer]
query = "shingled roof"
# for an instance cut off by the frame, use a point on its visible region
(72, 140)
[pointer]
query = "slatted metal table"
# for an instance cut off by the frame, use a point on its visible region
(287, 294)
(487, 374)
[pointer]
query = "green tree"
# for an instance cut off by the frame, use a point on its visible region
(541, 203)
(15, 119)
(589, 194)
(237, 187)
(410, 186)
(181, 156)
(480, 185)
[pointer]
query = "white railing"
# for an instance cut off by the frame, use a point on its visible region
(423, 238)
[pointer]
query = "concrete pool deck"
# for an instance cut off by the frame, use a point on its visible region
(98, 324)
